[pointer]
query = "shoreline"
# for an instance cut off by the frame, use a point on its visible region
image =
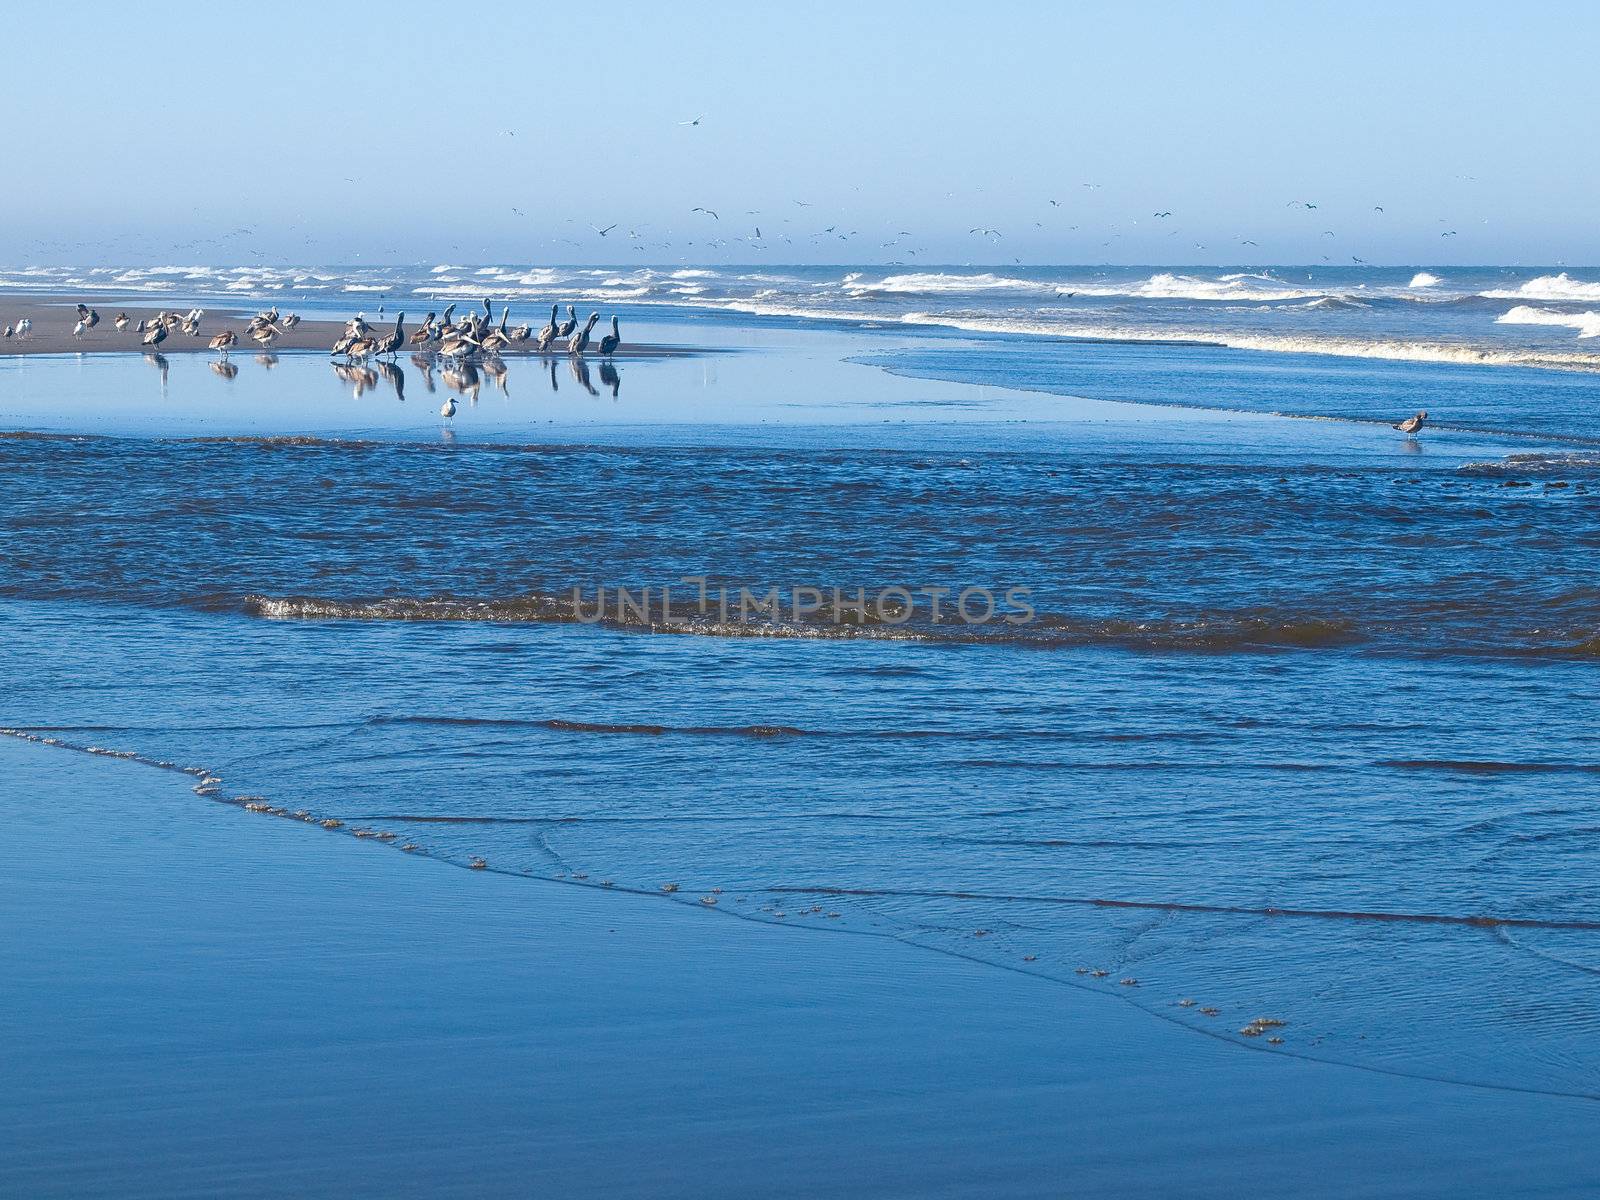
(53, 318)
(385, 1024)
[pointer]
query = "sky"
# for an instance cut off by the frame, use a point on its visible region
(410, 133)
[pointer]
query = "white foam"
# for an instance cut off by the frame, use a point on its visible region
(937, 283)
(1586, 323)
(1424, 279)
(1550, 287)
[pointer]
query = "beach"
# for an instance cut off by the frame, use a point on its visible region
(54, 317)
(350, 857)
(216, 1000)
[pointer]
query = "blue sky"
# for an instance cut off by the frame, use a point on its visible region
(492, 133)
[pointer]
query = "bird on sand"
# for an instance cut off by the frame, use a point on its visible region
(157, 332)
(1413, 425)
(609, 343)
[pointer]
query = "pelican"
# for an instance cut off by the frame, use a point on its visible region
(121, 322)
(265, 336)
(498, 338)
(579, 342)
(447, 410)
(389, 343)
(346, 340)
(609, 343)
(1412, 426)
(548, 333)
(289, 321)
(157, 333)
(88, 316)
(361, 348)
(457, 345)
(566, 327)
(224, 340)
(423, 335)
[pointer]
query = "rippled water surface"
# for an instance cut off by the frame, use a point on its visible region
(1302, 726)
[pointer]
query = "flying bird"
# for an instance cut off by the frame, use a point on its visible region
(696, 121)
(708, 211)
(1161, 214)
(606, 230)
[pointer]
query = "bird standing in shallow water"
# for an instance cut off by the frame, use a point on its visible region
(222, 341)
(447, 410)
(1413, 425)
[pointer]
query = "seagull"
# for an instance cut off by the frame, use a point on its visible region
(709, 212)
(603, 232)
(1161, 214)
(1452, 233)
(447, 410)
(1378, 208)
(23, 326)
(1412, 426)
(696, 121)
(121, 322)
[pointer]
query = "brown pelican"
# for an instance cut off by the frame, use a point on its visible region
(457, 345)
(157, 333)
(226, 369)
(548, 333)
(579, 342)
(290, 321)
(566, 327)
(423, 335)
(391, 342)
(361, 348)
(265, 335)
(88, 316)
(121, 322)
(521, 333)
(498, 338)
(609, 343)
(346, 340)
(224, 341)
(1413, 425)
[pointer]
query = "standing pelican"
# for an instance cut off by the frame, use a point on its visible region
(121, 322)
(548, 333)
(392, 342)
(609, 343)
(579, 342)
(499, 339)
(225, 340)
(566, 327)
(424, 335)
(289, 321)
(1413, 425)
(157, 333)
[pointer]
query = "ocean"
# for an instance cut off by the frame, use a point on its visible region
(1296, 719)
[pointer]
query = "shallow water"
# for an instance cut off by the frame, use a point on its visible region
(1312, 704)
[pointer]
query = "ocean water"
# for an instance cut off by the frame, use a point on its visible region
(1300, 724)
(1544, 317)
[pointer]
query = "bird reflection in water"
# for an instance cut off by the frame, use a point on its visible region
(226, 369)
(160, 363)
(267, 359)
(580, 372)
(424, 364)
(610, 377)
(463, 379)
(555, 386)
(361, 379)
(496, 370)
(395, 377)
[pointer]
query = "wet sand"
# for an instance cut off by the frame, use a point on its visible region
(54, 317)
(202, 1000)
